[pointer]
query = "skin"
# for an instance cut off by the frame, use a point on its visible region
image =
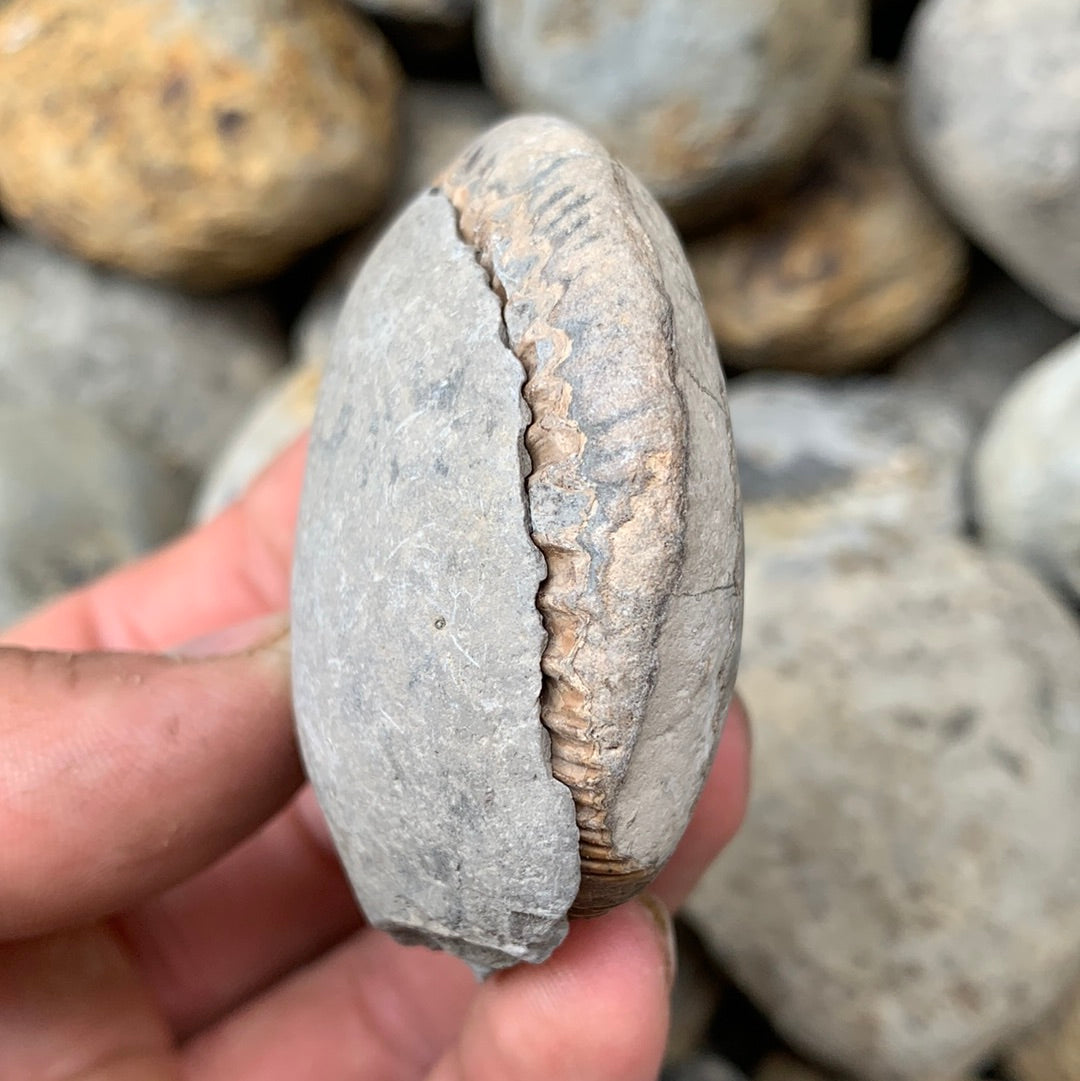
(170, 903)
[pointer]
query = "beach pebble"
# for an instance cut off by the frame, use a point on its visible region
(76, 500)
(704, 101)
(904, 894)
(1027, 470)
(174, 373)
(824, 462)
(849, 266)
(201, 142)
(975, 355)
(1050, 1050)
(281, 415)
(993, 116)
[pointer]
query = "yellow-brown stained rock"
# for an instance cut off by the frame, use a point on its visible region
(204, 143)
(853, 265)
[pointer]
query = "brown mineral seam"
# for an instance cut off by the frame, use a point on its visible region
(555, 444)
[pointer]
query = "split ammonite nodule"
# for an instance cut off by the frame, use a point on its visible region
(518, 584)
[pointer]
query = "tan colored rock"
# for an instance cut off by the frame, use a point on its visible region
(904, 895)
(201, 142)
(1050, 1051)
(852, 265)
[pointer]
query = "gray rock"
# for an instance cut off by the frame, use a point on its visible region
(905, 892)
(994, 118)
(974, 356)
(823, 463)
(281, 415)
(484, 422)
(439, 120)
(705, 102)
(76, 500)
(1027, 470)
(174, 373)
(851, 264)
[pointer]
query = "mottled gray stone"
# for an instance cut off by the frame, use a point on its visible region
(438, 120)
(703, 101)
(974, 356)
(414, 600)
(175, 373)
(823, 463)
(994, 119)
(904, 894)
(416, 634)
(1027, 470)
(76, 500)
(281, 414)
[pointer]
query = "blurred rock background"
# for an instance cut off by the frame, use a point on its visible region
(881, 202)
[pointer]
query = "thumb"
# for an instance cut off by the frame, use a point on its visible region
(123, 773)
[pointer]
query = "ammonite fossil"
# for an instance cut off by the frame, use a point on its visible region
(518, 581)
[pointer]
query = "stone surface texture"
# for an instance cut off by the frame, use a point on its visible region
(1050, 1051)
(704, 101)
(855, 463)
(205, 143)
(415, 629)
(441, 492)
(633, 494)
(76, 500)
(281, 415)
(976, 354)
(439, 120)
(993, 117)
(902, 896)
(1027, 470)
(174, 373)
(851, 265)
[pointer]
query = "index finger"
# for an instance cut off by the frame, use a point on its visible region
(229, 571)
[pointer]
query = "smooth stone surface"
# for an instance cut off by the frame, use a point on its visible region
(174, 373)
(76, 500)
(703, 101)
(439, 120)
(902, 897)
(976, 354)
(416, 635)
(851, 265)
(856, 463)
(1050, 1051)
(281, 415)
(632, 496)
(993, 116)
(202, 142)
(1027, 470)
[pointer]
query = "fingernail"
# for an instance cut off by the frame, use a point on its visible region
(259, 633)
(665, 930)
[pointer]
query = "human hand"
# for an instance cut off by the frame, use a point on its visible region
(170, 903)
